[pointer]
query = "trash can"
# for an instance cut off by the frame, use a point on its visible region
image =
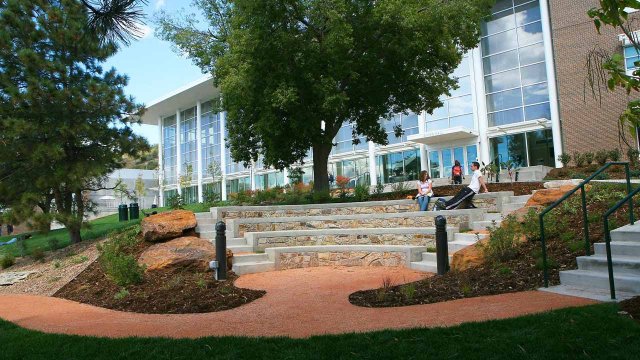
(122, 212)
(134, 211)
(154, 206)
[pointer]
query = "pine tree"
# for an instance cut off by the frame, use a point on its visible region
(64, 121)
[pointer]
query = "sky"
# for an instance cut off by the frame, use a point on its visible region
(154, 69)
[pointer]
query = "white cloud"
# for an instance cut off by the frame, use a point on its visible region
(145, 31)
(159, 4)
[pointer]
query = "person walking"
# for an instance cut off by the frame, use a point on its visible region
(425, 190)
(456, 173)
(9, 229)
(463, 197)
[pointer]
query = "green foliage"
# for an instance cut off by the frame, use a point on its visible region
(21, 245)
(57, 264)
(320, 197)
(577, 175)
(633, 156)
(565, 159)
(293, 71)
(361, 193)
(634, 173)
(579, 159)
(431, 249)
(399, 187)
(116, 257)
(66, 121)
(7, 260)
(408, 290)
(603, 176)
(38, 254)
(503, 241)
(615, 155)
(379, 189)
(602, 156)
(53, 243)
(123, 293)
(79, 259)
(588, 157)
(211, 197)
(175, 202)
(295, 175)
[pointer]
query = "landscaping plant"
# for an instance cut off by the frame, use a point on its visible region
(579, 159)
(615, 155)
(633, 156)
(588, 157)
(116, 257)
(601, 157)
(7, 260)
(565, 159)
(361, 192)
(342, 182)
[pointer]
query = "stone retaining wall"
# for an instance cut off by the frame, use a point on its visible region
(295, 260)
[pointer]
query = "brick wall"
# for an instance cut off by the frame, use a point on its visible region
(587, 124)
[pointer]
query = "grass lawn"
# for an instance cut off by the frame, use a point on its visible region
(592, 332)
(97, 229)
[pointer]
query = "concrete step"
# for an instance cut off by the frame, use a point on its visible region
(493, 216)
(621, 264)
(426, 266)
(250, 258)
(459, 245)
(468, 236)
(236, 241)
(520, 199)
(484, 224)
(511, 207)
(627, 233)
(205, 227)
(207, 234)
(591, 293)
(253, 267)
(205, 214)
(431, 256)
(240, 248)
(623, 248)
(586, 279)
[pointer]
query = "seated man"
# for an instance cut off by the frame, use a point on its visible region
(465, 195)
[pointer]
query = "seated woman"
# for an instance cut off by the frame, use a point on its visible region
(425, 190)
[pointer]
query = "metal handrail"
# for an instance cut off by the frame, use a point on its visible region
(584, 211)
(607, 235)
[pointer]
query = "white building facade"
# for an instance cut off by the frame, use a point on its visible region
(506, 108)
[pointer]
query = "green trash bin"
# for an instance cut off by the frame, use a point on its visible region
(134, 211)
(122, 212)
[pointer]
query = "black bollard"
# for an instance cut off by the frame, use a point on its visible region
(442, 247)
(221, 251)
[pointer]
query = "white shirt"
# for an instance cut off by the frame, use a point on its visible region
(475, 181)
(424, 186)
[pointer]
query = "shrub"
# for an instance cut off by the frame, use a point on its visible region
(54, 243)
(319, 197)
(175, 202)
(603, 176)
(21, 244)
(38, 254)
(634, 173)
(211, 197)
(361, 193)
(615, 155)
(588, 158)
(7, 260)
(408, 290)
(565, 159)
(503, 241)
(399, 187)
(379, 189)
(342, 182)
(578, 159)
(116, 259)
(123, 293)
(602, 156)
(632, 155)
(577, 175)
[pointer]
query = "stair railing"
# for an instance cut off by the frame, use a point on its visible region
(607, 234)
(581, 187)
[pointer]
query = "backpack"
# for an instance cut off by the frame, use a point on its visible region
(457, 170)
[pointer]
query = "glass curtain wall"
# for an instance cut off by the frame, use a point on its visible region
(457, 109)
(188, 144)
(524, 149)
(398, 166)
(344, 140)
(408, 123)
(238, 185)
(210, 138)
(169, 155)
(441, 161)
(232, 167)
(515, 77)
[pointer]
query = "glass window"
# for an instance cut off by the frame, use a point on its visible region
(434, 159)
(472, 155)
(502, 81)
(458, 154)
(499, 22)
(500, 62)
(533, 74)
(501, 5)
(506, 117)
(535, 93)
(437, 125)
(509, 147)
(464, 121)
(464, 87)
(460, 105)
(447, 161)
(535, 112)
(499, 42)
(631, 55)
(504, 100)
(531, 54)
(540, 145)
(530, 34)
(527, 13)
(169, 150)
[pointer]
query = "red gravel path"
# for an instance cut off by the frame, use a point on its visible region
(298, 303)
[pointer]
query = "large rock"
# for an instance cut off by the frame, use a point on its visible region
(555, 184)
(168, 225)
(185, 252)
(468, 257)
(546, 197)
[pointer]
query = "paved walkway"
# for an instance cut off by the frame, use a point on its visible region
(298, 303)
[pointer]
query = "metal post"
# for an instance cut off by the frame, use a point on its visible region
(607, 242)
(442, 248)
(587, 242)
(544, 253)
(631, 215)
(221, 251)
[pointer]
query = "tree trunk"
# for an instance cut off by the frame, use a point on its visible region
(74, 235)
(320, 172)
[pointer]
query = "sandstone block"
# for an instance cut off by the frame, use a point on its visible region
(168, 225)
(185, 252)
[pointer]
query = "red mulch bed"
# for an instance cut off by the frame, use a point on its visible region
(175, 291)
(632, 307)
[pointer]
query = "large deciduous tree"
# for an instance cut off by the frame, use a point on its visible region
(292, 71)
(64, 121)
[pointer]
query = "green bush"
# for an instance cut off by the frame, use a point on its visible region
(123, 293)
(615, 155)
(116, 257)
(7, 260)
(602, 156)
(632, 155)
(578, 159)
(379, 189)
(38, 254)
(565, 159)
(577, 175)
(503, 241)
(634, 173)
(211, 197)
(588, 158)
(361, 192)
(603, 176)
(319, 197)
(175, 202)
(54, 243)
(399, 187)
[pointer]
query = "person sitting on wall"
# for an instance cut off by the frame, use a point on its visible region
(456, 173)
(463, 198)
(425, 190)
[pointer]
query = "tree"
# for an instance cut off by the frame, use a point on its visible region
(64, 121)
(140, 189)
(611, 69)
(115, 21)
(292, 71)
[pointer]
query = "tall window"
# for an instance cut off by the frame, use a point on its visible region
(169, 155)
(631, 55)
(524, 149)
(188, 141)
(210, 136)
(399, 166)
(515, 77)
(344, 140)
(408, 123)
(457, 109)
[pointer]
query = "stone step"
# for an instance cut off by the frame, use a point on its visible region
(253, 267)
(511, 207)
(599, 280)
(250, 258)
(205, 227)
(426, 266)
(588, 293)
(621, 264)
(624, 248)
(240, 248)
(484, 224)
(520, 199)
(468, 236)
(626, 233)
(493, 216)
(236, 241)
(459, 245)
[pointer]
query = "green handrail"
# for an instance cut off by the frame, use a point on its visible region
(580, 186)
(607, 236)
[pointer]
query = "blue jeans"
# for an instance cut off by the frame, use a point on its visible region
(423, 202)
